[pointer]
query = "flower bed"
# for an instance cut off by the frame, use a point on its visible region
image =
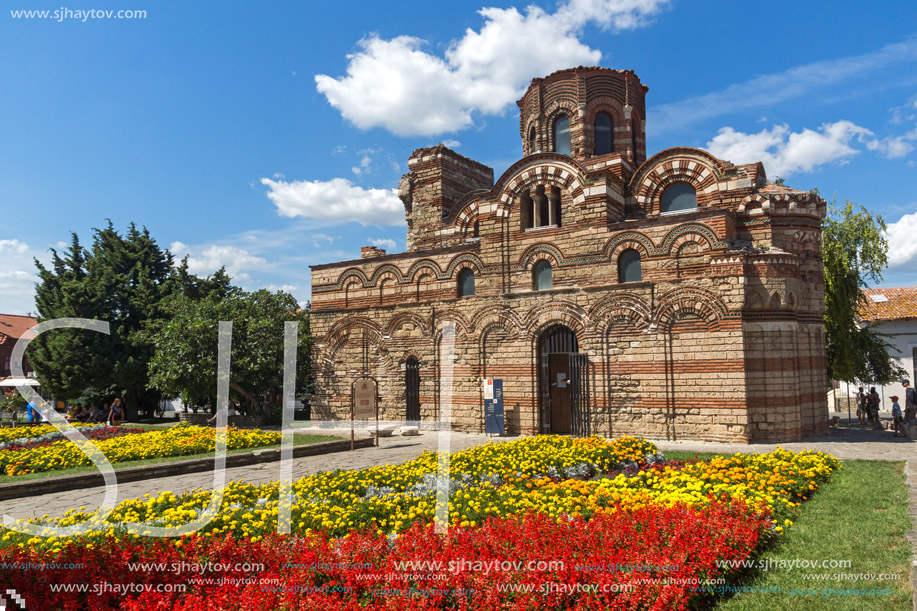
(94, 432)
(30, 432)
(651, 558)
(585, 502)
(179, 440)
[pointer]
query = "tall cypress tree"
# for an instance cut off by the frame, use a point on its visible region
(122, 280)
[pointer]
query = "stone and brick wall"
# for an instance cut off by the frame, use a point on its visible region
(721, 339)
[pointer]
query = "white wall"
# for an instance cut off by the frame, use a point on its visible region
(902, 334)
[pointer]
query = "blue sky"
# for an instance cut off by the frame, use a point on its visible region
(270, 137)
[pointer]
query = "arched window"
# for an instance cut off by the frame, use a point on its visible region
(466, 282)
(679, 196)
(562, 135)
(477, 230)
(541, 276)
(526, 212)
(603, 134)
(533, 141)
(629, 266)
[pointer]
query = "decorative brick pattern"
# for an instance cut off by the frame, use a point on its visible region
(720, 340)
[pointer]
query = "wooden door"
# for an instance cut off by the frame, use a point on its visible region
(412, 389)
(559, 383)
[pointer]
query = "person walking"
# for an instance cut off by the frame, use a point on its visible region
(862, 405)
(874, 402)
(897, 416)
(910, 405)
(116, 413)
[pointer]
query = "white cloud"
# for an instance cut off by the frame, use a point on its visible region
(784, 152)
(18, 277)
(386, 243)
(319, 238)
(902, 247)
(13, 247)
(905, 112)
(769, 89)
(366, 162)
(286, 288)
(894, 146)
(337, 200)
(452, 143)
(205, 260)
(397, 85)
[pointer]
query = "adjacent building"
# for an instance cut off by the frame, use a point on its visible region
(678, 296)
(12, 327)
(893, 312)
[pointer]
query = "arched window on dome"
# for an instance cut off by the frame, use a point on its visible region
(603, 134)
(562, 135)
(679, 197)
(541, 276)
(533, 141)
(629, 266)
(466, 282)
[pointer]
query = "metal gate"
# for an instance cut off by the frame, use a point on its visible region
(412, 389)
(564, 383)
(579, 395)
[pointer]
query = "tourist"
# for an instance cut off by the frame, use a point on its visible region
(910, 401)
(897, 416)
(83, 414)
(874, 402)
(73, 412)
(862, 405)
(95, 413)
(116, 413)
(31, 413)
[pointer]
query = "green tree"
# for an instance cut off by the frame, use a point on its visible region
(123, 280)
(186, 339)
(855, 253)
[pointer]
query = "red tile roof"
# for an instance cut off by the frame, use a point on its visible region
(12, 326)
(901, 304)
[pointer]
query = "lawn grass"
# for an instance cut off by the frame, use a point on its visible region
(299, 439)
(861, 515)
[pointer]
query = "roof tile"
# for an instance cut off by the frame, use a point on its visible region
(901, 304)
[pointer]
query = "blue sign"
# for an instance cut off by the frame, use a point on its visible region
(493, 407)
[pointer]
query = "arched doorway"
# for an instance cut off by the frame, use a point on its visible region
(412, 389)
(563, 382)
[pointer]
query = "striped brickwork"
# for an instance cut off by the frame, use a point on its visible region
(720, 340)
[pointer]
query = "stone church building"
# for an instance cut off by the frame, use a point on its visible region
(675, 297)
